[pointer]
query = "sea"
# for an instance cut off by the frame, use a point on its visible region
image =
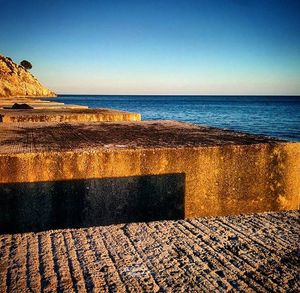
(276, 116)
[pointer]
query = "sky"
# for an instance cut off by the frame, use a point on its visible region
(193, 47)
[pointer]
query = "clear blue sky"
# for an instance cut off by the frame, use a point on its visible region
(157, 46)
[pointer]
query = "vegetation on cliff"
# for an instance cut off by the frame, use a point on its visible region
(16, 80)
(26, 64)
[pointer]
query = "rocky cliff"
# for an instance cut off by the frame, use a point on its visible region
(15, 80)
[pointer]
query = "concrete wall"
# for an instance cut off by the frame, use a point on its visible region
(222, 180)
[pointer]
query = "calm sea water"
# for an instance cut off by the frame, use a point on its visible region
(277, 116)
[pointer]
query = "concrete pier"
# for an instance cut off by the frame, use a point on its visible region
(37, 104)
(208, 171)
(50, 111)
(66, 115)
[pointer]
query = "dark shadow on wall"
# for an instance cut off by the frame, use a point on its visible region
(42, 206)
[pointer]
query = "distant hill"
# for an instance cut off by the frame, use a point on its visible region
(16, 81)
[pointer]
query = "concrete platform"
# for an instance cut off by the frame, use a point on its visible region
(11, 101)
(66, 115)
(253, 253)
(69, 171)
(37, 103)
(8, 102)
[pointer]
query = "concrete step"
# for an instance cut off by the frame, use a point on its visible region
(100, 170)
(66, 115)
(38, 104)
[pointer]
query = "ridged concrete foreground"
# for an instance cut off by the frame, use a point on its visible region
(250, 253)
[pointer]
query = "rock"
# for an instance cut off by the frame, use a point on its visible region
(21, 106)
(16, 81)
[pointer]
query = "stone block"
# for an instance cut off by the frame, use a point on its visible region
(225, 172)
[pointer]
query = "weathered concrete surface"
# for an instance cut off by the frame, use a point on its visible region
(225, 172)
(66, 115)
(21, 100)
(250, 253)
(38, 104)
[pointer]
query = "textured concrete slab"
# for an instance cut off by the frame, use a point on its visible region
(10, 101)
(253, 253)
(66, 115)
(59, 106)
(51, 106)
(26, 137)
(8, 104)
(37, 103)
(225, 172)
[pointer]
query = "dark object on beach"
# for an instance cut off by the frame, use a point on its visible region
(21, 106)
(26, 64)
(233, 238)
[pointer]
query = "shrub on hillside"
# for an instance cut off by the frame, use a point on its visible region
(26, 64)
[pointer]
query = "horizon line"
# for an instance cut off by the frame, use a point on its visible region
(183, 95)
